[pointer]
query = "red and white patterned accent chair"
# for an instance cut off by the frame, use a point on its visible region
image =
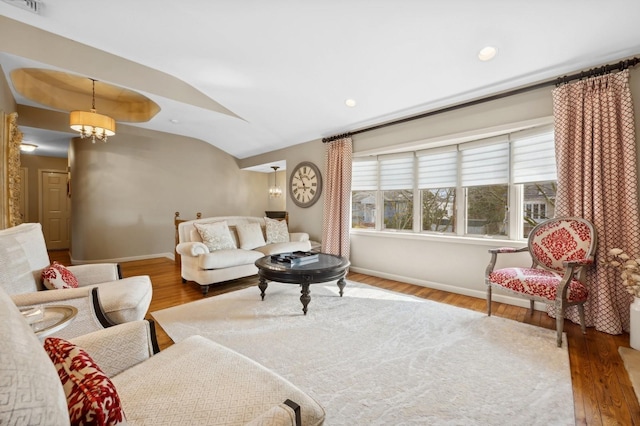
(561, 250)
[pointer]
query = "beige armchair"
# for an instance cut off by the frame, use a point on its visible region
(24, 255)
(194, 382)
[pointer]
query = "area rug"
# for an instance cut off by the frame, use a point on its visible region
(375, 357)
(631, 359)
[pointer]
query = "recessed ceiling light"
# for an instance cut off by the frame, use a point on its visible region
(350, 102)
(487, 53)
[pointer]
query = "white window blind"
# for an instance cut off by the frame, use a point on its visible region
(485, 164)
(364, 175)
(437, 169)
(533, 156)
(396, 172)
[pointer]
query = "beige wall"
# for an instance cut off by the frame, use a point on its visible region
(300, 219)
(125, 192)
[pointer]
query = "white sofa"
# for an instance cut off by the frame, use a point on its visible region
(206, 267)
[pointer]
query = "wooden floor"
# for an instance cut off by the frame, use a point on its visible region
(602, 392)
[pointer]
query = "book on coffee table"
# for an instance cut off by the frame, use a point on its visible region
(296, 257)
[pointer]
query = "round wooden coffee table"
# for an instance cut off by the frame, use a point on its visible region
(329, 267)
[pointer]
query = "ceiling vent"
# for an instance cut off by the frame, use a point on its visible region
(31, 5)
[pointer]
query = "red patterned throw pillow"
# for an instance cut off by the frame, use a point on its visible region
(56, 276)
(91, 396)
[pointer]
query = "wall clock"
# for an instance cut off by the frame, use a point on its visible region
(305, 184)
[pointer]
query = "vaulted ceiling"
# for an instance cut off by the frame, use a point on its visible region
(253, 76)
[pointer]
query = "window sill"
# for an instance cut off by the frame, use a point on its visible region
(448, 238)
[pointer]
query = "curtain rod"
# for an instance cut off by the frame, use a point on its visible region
(605, 69)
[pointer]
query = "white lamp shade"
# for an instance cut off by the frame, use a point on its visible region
(89, 122)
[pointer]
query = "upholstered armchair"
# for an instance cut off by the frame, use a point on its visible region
(561, 249)
(117, 374)
(23, 255)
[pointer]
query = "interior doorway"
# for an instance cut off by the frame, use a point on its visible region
(55, 209)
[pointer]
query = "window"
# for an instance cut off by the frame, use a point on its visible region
(396, 183)
(484, 172)
(538, 205)
(364, 187)
(535, 211)
(500, 186)
(437, 181)
(534, 169)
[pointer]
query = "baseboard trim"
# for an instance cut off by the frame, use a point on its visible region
(496, 297)
(123, 259)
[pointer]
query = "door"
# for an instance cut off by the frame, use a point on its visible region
(55, 209)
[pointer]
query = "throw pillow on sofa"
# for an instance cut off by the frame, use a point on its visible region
(276, 230)
(250, 236)
(57, 276)
(91, 396)
(216, 235)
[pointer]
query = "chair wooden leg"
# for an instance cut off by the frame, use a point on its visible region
(559, 323)
(583, 326)
(489, 300)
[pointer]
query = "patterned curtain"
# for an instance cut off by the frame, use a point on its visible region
(335, 224)
(597, 180)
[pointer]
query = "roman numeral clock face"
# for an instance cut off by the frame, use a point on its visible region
(305, 184)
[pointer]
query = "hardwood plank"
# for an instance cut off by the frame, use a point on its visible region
(601, 387)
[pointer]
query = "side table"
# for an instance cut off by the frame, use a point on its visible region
(51, 319)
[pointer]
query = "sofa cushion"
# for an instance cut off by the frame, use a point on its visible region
(228, 258)
(57, 276)
(250, 235)
(215, 235)
(91, 396)
(277, 230)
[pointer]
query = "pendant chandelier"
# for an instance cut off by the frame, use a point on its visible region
(275, 191)
(90, 124)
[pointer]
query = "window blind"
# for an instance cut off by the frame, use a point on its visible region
(364, 175)
(485, 164)
(437, 169)
(533, 157)
(396, 172)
